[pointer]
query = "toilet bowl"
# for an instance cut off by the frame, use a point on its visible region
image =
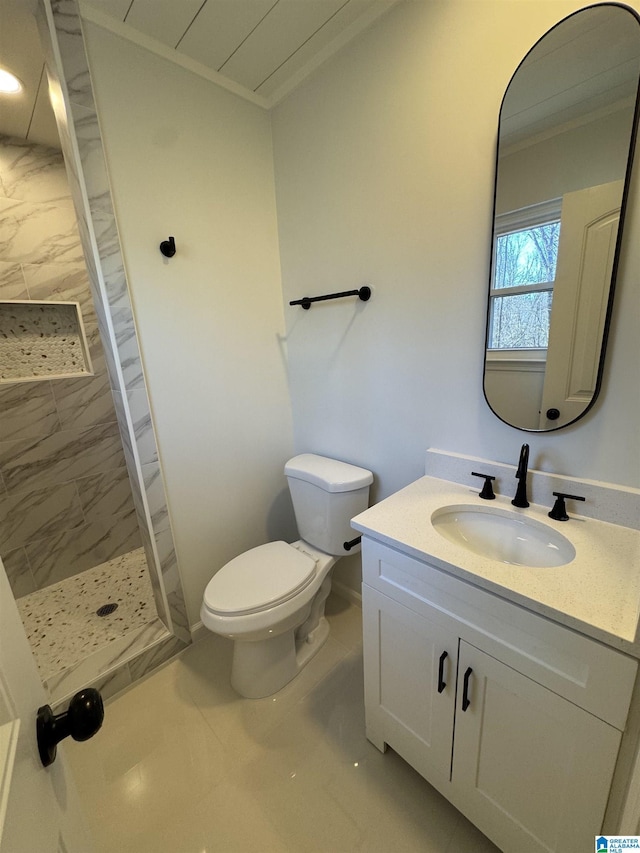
(270, 600)
(263, 600)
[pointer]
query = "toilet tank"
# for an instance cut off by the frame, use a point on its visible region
(326, 495)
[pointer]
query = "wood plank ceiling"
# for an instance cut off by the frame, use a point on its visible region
(265, 47)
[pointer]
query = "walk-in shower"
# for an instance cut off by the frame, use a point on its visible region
(84, 523)
(69, 533)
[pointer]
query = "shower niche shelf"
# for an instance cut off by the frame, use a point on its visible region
(42, 340)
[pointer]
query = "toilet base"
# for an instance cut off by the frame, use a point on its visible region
(262, 668)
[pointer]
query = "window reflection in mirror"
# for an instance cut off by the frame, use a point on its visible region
(566, 133)
(524, 271)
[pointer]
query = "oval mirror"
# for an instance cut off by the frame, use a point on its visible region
(565, 144)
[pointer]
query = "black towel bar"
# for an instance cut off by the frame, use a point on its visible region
(352, 544)
(364, 293)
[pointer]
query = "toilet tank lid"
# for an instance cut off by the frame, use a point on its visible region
(330, 474)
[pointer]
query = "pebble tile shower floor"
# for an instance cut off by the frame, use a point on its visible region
(61, 620)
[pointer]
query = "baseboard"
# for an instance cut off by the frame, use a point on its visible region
(347, 593)
(198, 632)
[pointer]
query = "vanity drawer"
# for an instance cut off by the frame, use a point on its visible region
(582, 670)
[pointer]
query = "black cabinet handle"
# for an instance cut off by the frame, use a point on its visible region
(441, 682)
(465, 689)
(81, 721)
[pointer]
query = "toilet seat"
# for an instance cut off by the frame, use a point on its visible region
(259, 579)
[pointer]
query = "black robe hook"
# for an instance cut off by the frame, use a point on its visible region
(168, 247)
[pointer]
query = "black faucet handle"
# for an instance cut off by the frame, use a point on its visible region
(559, 511)
(487, 490)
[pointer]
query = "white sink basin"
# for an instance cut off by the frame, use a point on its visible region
(503, 535)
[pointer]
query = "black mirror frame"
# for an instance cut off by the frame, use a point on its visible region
(616, 258)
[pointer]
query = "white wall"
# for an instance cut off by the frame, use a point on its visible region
(191, 160)
(384, 170)
(384, 175)
(515, 390)
(581, 157)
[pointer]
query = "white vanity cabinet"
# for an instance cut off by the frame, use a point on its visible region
(515, 719)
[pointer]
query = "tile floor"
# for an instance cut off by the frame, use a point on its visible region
(185, 765)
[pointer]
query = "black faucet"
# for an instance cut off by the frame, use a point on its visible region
(521, 476)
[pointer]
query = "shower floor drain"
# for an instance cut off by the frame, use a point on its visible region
(106, 609)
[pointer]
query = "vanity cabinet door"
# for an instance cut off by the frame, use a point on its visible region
(410, 680)
(530, 769)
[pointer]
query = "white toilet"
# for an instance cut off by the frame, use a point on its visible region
(270, 600)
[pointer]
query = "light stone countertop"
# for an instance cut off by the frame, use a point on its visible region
(597, 593)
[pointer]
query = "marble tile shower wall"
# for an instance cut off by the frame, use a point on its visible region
(70, 79)
(65, 498)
